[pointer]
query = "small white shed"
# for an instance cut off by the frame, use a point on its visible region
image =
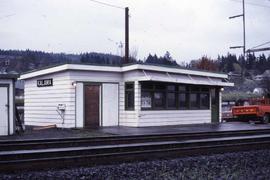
(7, 105)
(77, 95)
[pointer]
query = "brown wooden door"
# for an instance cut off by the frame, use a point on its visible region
(92, 103)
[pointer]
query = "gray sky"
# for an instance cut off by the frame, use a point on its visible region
(187, 29)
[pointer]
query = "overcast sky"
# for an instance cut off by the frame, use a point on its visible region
(187, 29)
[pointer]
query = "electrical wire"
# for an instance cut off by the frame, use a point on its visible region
(107, 4)
(261, 45)
(252, 4)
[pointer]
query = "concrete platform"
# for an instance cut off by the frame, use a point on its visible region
(230, 126)
(122, 131)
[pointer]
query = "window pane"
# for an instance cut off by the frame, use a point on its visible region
(194, 101)
(205, 89)
(194, 88)
(147, 85)
(160, 86)
(146, 100)
(182, 88)
(171, 100)
(129, 100)
(171, 88)
(182, 99)
(204, 98)
(129, 86)
(129, 96)
(159, 99)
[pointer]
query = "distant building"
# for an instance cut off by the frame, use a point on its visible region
(259, 91)
(264, 76)
(232, 75)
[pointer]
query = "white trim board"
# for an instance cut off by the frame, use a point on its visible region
(81, 67)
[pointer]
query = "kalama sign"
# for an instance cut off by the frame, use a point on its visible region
(44, 82)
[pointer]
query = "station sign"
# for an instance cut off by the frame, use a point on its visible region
(44, 82)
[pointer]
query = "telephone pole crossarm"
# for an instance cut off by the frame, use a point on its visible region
(240, 15)
(258, 50)
(236, 47)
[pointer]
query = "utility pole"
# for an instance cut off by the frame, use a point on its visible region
(244, 31)
(126, 35)
(244, 34)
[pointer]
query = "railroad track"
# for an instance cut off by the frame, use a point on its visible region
(55, 153)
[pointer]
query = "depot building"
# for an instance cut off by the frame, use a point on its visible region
(137, 95)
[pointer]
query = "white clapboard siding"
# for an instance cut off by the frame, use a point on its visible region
(8, 127)
(41, 102)
(43, 122)
(174, 117)
(86, 76)
(220, 106)
(126, 118)
(46, 96)
(36, 109)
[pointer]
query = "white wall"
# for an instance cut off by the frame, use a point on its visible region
(174, 117)
(11, 105)
(41, 102)
(220, 106)
(110, 84)
(127, 117)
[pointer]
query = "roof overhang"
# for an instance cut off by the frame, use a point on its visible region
(153, 68)
(184, 79)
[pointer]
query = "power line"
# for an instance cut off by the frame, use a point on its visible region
(258, 50)
(261, 45)
(107, 4)
(252, 4)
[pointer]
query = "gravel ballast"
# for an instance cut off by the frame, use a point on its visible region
(240, 165)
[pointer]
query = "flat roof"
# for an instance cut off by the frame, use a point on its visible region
(120, 69)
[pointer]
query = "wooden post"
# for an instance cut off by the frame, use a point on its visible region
(126, 35)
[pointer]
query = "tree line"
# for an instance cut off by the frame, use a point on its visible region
(21, 61)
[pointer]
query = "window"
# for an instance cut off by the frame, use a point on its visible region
(182, 101)
(171, 97)
(146, 100)
(159, 100)
(171, 100)
(204, 100)
(129, 96)
(182, 97)
(168, 96)
(194, 101)
(194, 97)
